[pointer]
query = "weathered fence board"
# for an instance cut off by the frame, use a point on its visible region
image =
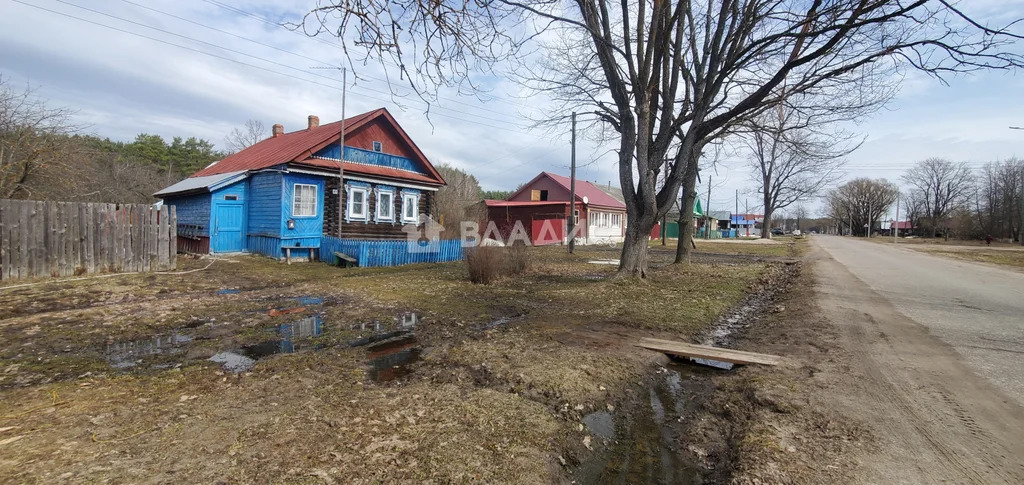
(40, 239)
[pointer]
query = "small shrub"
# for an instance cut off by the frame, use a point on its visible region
(484, 263)
(518, 259)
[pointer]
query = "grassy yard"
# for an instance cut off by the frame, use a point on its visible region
(504, 372)
(777, 247)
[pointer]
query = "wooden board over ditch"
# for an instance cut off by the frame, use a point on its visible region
(683, 349)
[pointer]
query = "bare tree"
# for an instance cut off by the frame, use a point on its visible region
(998, 199)
(32, 136)
(793, 159)
(941, 187)
(860, 201)
(453, 199)
(667, 77)
(241, 138)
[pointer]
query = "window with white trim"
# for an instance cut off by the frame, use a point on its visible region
(410, 207)
(378, 146)
(385, 205)
(616, 220)
(357, 203)
(304, 200)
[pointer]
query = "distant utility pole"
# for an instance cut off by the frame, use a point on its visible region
(341, 146)
(707, 211)
(664, 218)
(341, 153)
(746, 210)
(896, 223)
(867, 233)
(736, 208)
(572, 190)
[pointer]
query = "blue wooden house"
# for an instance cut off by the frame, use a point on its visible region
(284, 197)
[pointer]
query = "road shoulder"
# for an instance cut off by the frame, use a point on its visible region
(865, 395)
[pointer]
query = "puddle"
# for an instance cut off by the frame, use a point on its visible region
(228, 291)
(407, 323)
(310, 300)
(643, 439)
(496, 323)
(233, 362)
(604, 261)
(717, 364)
(600, 424)
(128, 354)
(392, 360)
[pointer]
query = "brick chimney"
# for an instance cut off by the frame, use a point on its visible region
(277, 130)
(314, 121)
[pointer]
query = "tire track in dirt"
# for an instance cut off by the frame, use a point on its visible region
(928, 409)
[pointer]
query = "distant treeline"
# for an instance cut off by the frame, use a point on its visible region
(44, 155)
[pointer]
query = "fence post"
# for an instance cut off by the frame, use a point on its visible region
(172, 228)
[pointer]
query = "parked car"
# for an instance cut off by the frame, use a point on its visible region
(777, 232)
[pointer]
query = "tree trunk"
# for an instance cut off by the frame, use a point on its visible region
(683, 244)
(633, 260)
(686, 230)
(766, 225)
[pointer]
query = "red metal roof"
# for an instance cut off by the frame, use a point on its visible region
(523, 203)
(298, 146)
(594, 195)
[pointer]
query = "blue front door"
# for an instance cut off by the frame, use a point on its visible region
(228, 218)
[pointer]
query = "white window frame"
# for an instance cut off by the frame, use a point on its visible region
(350, 203)
(378, 147)
(616, 220)
(413, 200)
(297, 205)
(390, 206)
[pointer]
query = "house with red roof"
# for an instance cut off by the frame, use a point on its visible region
(281, 196)
(541, 207)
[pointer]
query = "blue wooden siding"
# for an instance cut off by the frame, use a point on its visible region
(193, 210)
(265, 204)
(391, 253)
(370, 157)
(306, 228)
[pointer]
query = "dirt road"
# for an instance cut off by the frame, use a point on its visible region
(937, 367)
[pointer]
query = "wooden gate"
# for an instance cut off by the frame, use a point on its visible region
(71, 238)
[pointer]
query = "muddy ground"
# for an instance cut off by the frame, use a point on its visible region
(253, 371)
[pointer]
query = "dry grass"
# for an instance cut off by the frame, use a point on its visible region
(484, 405)
(485, 264)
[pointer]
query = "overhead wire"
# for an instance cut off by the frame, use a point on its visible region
(263, 59)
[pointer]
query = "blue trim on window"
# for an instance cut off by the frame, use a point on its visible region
(376, 213)
(348, 201)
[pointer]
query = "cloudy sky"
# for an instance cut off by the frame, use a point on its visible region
(201, 68)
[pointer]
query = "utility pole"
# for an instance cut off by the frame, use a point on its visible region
(341, 146)
(572, 190)
(867, 233)
(896, 224)
(707, 211)
(1020, 231)
(341, 154)
(736, 208)
(746, 210)
(664, 218)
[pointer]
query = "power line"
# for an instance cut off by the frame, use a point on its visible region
(269, 61)
(267, 21)
(236, 61)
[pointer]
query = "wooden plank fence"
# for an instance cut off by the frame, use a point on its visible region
(40, 239)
